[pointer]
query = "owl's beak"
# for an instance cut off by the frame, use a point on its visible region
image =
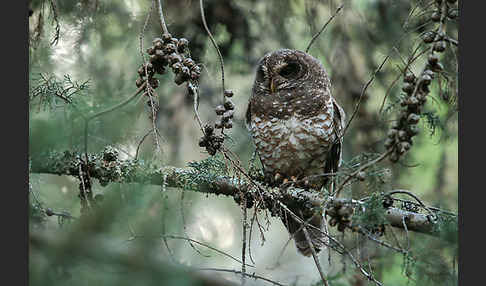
(272, 86)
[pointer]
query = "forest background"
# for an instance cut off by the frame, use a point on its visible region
(84, 58)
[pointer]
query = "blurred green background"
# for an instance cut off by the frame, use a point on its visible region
(121, 244)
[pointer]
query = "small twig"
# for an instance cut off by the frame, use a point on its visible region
(207, 246)
(406, 231)
(184, 225)
(240, 169)
(380, 242)
(243, 248)
(154, 115)
(362, 94)
(141, 141)
(314, 254)
(336, 242)
(161, 17)
(83, 189)
(407, 67)
(212, 41)
(142, 32)
(149, 90)
(452, 41)
(395, 237)
(415, 197)
(277, 263)
(48, 211)
(323, 27)
(362, 168)
(431, 208)
(119, 105)
(55, 39)
(134, 236)
(241, 273)
(388, 92)
(195, 93)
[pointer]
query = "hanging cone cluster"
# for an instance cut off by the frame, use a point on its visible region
(416, 89)
(213, 142)
(168, 52)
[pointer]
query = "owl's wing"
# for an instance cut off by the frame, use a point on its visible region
(248, 115)
(334, 156)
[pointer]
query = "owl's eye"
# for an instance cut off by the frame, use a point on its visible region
(290, 70)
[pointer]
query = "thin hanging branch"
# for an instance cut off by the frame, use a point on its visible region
(323, 28)
(108, 110)
(214, 43)
(254, 276)
(363, 91)
(161, 17)
(314, 254)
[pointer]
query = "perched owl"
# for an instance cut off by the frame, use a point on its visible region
(296, 126)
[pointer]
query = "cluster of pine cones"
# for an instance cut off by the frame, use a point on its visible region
(416, 89)
(169, 52)
(213, 142)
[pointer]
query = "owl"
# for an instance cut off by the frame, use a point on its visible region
(296, 126)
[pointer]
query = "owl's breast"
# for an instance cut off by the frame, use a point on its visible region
(295, 146)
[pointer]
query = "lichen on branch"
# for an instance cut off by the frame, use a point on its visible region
(206, 177)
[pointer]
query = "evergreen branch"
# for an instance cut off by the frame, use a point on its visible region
(107, 168)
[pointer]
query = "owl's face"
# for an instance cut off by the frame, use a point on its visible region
(280, 70)
(288, 81)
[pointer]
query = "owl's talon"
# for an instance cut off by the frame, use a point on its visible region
(294, 179)
(285, 181)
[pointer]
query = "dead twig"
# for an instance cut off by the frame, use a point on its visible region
(314, 254)
(213, 42)
(323, 27)
(356, 108)
(254, 276)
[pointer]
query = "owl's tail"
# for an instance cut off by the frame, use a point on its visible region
(318, 239)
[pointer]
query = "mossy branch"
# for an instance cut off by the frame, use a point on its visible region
(107, 168)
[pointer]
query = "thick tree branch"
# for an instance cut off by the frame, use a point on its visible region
(106, 167)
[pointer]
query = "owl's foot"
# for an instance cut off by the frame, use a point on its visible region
(301, 182)
(278, 180)
(293, 179)
(273, 180)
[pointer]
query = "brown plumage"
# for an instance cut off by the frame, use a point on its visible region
(296, 126)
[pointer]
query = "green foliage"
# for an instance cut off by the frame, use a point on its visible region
(432, 121)
(49, 92)
(205, 172)
(447, 226)
(372, 213)
(36, 215)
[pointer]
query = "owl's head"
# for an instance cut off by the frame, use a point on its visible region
(286, 69)
(288, 82)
